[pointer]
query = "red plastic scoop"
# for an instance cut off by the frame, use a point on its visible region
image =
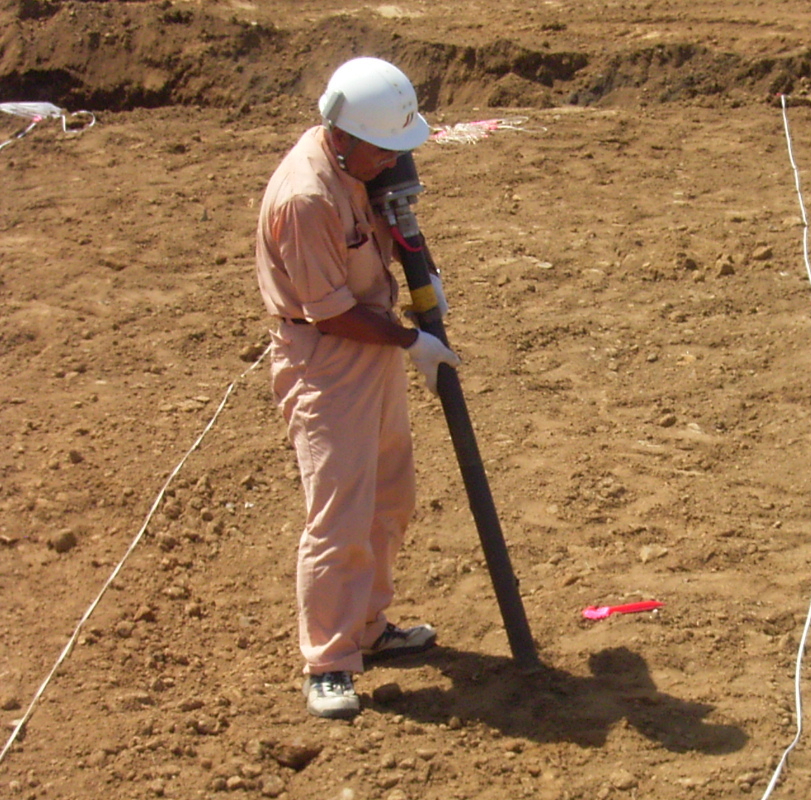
(601, 612)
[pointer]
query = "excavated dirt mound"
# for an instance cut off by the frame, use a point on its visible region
(123, 55)
(625, 267)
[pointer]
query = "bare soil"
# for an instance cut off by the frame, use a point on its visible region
(628, 292)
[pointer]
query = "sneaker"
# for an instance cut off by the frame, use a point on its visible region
(332, 695)
(396, 641)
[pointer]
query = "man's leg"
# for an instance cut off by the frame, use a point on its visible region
(335, 426)
(394, 497)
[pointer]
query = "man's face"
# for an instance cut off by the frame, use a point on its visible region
(362, 160)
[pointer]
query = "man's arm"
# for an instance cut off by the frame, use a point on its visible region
(363, 325)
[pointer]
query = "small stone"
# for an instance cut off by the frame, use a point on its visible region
(98, 758)
(762, 253)
(193, 610)
(387, 693)
(205, 725)
(251, 352)
(135, 701)
(144, 614)
(623, 780)
(271, 786)
(725, 264)
(412, 728)
(166, 541)
(388, 781)
(295, 753)
(347, 793)
(750, 778)
(649, 552)
(63, 541)
(124, 629)
(9, 703)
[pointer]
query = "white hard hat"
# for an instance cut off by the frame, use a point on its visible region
(375, 101)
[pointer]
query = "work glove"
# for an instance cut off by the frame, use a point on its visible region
(428, 353)
(441, 302)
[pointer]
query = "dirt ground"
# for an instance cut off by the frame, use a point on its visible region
(628, 291)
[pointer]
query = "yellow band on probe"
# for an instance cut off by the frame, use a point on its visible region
(423, 298)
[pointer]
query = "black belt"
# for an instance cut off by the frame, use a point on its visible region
(296, 320)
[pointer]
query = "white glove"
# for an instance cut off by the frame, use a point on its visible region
(441, 302)
(428, 353)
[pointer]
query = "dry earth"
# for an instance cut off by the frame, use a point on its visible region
(629, 295)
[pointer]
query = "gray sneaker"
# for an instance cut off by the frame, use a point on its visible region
(332, 695)
(396, 641)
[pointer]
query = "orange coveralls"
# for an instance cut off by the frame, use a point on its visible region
(321, 250)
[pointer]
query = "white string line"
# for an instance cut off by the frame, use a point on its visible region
(69, 646)
(797, 185)
(19, 134)
(798, 700)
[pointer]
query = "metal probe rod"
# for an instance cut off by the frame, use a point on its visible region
(393, 193)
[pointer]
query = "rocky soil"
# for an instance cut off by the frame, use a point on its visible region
(625, 268)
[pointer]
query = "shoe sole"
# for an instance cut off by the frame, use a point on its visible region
(334, 713)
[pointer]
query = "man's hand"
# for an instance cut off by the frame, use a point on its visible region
(428, 353)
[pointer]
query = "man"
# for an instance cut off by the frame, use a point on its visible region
(338, 375)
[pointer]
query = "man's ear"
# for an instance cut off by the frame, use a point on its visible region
(341, 140)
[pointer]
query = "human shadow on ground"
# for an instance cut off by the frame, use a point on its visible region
(556, 706)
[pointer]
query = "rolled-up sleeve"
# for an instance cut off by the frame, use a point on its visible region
(312, 246)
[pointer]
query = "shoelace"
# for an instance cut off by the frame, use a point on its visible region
(391, 632)
(336, 682)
